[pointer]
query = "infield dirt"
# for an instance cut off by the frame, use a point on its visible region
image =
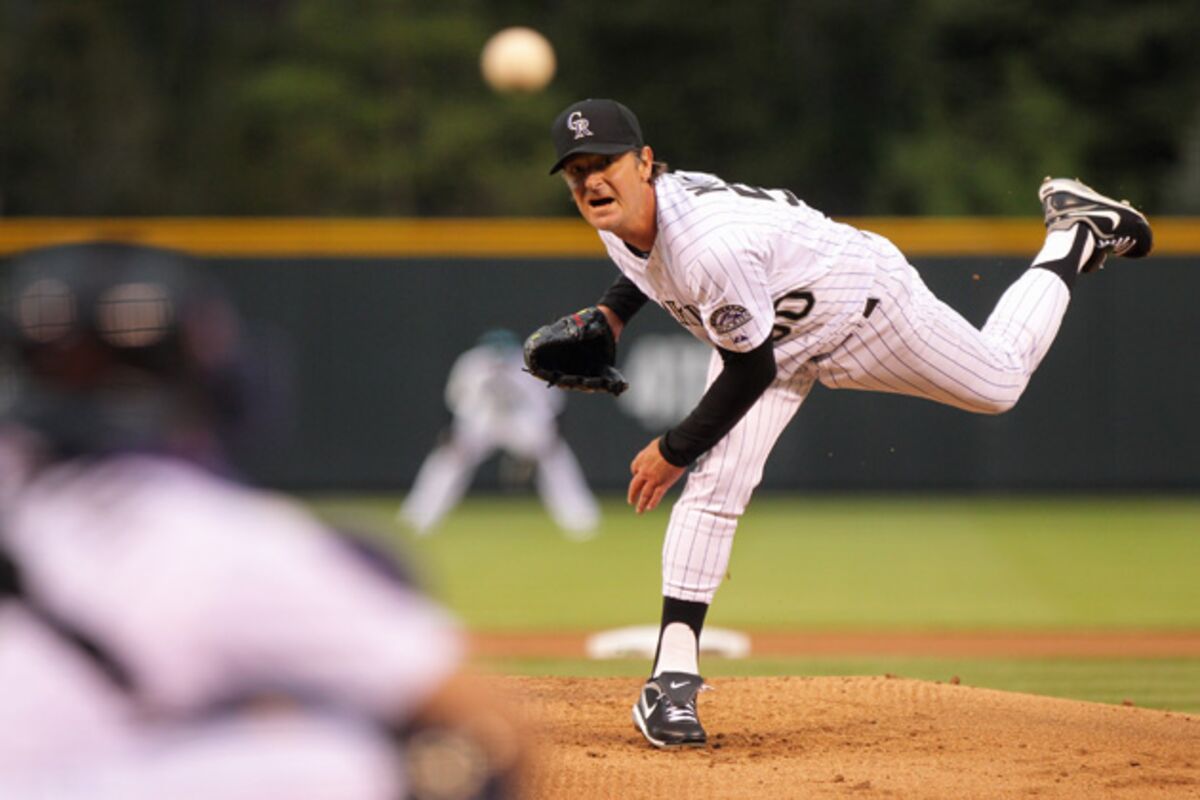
(861, 737)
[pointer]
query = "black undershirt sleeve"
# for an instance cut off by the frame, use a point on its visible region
(624, 298)
(743, 379)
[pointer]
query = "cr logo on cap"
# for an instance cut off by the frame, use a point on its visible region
(579, 123)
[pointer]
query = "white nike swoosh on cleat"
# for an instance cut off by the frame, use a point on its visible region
(675, 685)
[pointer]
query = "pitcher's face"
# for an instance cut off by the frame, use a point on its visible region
(612, 192)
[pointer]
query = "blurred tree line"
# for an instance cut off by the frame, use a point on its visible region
(376, 107)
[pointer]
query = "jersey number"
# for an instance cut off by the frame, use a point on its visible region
(790, 309)
(753, 192)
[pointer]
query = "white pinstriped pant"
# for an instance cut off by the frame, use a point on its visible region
(913, 344)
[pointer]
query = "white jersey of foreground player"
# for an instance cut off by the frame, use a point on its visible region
(735, 265)
(496, 406)
(204, 593)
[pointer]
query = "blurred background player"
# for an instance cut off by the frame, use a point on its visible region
(170, 633)
(496, 406)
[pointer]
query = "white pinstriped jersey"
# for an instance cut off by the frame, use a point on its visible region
(735, 264)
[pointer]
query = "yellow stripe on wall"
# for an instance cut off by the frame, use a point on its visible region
(506, 238)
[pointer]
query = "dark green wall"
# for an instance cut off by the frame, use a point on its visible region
(1113, 405)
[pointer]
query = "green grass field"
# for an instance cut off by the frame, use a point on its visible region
(903, 563)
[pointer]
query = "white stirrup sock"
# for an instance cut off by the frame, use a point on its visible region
(1059, 245)
(678, 650)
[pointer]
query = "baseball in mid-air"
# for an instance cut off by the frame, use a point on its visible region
(517, 60)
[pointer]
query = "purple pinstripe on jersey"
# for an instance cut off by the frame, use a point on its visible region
(915, 344)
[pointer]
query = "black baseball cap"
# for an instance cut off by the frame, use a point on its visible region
(594, 126)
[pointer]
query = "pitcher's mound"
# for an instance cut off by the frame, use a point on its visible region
(856, 737)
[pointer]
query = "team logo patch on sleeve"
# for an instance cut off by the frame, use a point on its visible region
(729, 318)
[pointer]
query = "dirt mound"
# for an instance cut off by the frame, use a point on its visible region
(856, 737)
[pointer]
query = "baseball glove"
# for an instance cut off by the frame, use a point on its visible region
(577, 352)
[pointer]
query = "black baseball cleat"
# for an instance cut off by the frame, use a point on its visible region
(665, 712)
(1119, 228)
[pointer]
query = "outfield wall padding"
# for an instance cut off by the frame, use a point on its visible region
(365, 335)
(1113, 406)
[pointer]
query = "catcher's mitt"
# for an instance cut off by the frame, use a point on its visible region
(577, 352)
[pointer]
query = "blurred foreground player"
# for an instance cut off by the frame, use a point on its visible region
(168, 633)
(496, 406)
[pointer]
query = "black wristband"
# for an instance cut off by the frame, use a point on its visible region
(670, 454)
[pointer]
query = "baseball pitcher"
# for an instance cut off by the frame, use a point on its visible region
(787, 298)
